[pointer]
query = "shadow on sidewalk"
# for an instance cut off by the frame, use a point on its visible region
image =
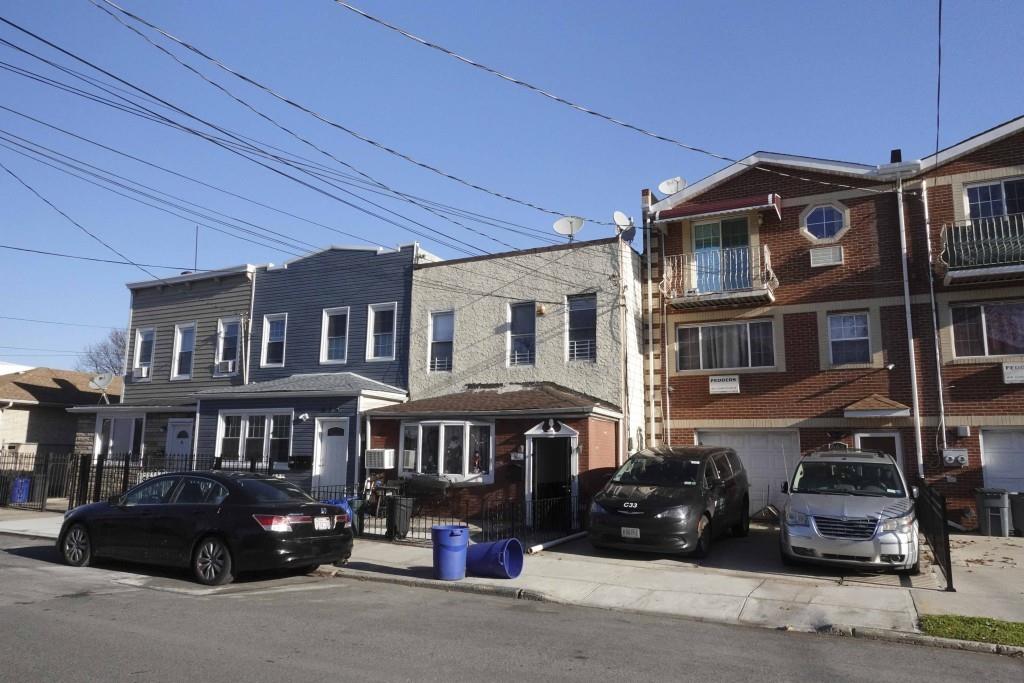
(419, 572)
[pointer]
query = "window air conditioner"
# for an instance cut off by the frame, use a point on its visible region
(140, 372)
(827, 256)
(225, 367)
(380, 458)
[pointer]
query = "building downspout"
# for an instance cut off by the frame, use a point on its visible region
(248, 324)
(910, 330)
(666, 397)
(624, 365)
(935, 319)
(647, 228)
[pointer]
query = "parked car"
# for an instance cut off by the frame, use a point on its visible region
(850, 507)
(672, 500)
(216, 523)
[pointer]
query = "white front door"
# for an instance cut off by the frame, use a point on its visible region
(770, 457)
(330, 459)
(1002, 458)
(179, 438)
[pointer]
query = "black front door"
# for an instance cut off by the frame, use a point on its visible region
(551, 468)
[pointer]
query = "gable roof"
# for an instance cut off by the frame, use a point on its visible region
(876, 405)
(539, 397)
(973, 143)
(344, 383)
(51, 386)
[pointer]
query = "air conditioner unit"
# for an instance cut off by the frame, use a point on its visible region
(954, 457)
(140, 372)
(827, 256)
(380, 458)
(409, 459)
(225, 367)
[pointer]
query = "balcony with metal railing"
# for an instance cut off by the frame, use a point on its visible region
(583, 349)
(735, 276)
(983, 249)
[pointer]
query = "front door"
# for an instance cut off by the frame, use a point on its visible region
(330, 461)
(887, 442)
(179, 439)
(552, 468)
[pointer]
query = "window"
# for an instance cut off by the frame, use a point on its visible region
(442, 331)
(145, 341)
(583, 327)
(824, 221)
(458, 451)
(728, 346)
(995, 329)
(199, 491)
(522, 333)
(1003, 198)
(275, 331)
(152, 492)
(228, 335)
(334, 335)
(848, 338)
(380, 342)
(120, 436)
(263, 438)
(184, 351)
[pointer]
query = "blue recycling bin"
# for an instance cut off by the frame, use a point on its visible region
(450, 543)
(19, 490)
(500, 559)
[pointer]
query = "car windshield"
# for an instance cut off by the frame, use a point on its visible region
(657, 470)
(849, 478)
(273, 491)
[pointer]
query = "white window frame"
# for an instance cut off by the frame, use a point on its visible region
(430, 340)
(327, 313)
(568, 329)
(177, 376)
(805, 214)
(984, 327)
(371, 314)
(266, 414)
(1001, 182)
(828, 327)
(137, 360)
(700, 347)
(267, 318)
(508, 335)
(98, 432)
(465, 477)
(218, 356)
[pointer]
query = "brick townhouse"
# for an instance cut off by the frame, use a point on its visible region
(779, 298)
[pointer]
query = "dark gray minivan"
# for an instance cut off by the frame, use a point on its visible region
(672, 500)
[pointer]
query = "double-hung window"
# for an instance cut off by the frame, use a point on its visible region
(990, 329)
(442, 332)
(457, 450)
(725, 346)
(275, 332)
(261, 438)
(145, 342)
(522, 346)
(848, 338)
(228, 344)
(583, 327)
(334, 335)
(991, 200)
(184, 351)
(380, 331)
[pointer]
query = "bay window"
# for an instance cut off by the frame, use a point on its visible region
(725, 346)
(263, 438)
(458, 451)
(991, 329)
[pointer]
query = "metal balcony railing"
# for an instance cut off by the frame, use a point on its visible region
(718, 271)
(582, 349)
(983, 242)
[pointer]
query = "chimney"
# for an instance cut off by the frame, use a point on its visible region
(896, 156)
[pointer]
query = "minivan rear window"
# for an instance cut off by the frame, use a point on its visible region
(273, 491)
(656, 470)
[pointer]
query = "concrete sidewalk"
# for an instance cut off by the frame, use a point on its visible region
(30, 523)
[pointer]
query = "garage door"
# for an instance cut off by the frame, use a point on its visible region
(770, 458)
(1003, 458)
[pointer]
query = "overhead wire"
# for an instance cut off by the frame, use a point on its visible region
(58, 322)
(93, 258)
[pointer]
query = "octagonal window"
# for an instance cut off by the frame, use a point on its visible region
(825, 222)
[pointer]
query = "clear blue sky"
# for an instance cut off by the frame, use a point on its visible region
(837, 80)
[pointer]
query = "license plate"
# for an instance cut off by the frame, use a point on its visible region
(630, 532)
(322, 523)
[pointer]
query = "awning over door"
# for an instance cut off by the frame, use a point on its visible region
(722, 207)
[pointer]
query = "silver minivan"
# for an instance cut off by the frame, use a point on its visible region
(850, 507)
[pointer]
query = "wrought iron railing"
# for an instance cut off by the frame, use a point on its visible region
(441, 364)
(933, 520)
(983, 242)
(521, 357)
(717, 271)
(582, 349)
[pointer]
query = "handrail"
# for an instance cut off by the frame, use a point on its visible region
(981, 242)
(733, 269)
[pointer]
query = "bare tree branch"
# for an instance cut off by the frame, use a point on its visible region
(106, 355)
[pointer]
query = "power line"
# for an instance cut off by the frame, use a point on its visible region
(92, 258)
(32, 348)
(574, 105)
(59, 322)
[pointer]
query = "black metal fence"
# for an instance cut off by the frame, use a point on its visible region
(36, 481)
(934, 522)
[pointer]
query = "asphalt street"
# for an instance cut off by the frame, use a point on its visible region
(125, 623)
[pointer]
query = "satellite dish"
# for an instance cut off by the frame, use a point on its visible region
(623, 221)
(101, 381)
(568, 226)
(671, 186)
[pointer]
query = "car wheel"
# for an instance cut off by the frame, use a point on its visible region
(913, 570)
(77, 548)
(211, 563)
(742, 528)
(703, 538)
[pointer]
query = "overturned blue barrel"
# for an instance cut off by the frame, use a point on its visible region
(500, 559)
(450, 542)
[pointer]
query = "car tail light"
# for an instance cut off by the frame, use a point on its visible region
(281, 523)
(342, 520)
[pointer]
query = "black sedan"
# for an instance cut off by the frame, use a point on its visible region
(215, 523)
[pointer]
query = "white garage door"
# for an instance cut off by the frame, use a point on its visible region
(770, 458)
(1003, 458)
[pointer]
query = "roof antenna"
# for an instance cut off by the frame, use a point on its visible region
(568, 226)
(100, 382)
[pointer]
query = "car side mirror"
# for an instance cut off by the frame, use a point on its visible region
(785, 487)
(914, 492)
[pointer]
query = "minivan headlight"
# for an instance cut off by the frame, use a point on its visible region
(899, 524)
(678, 512)
(795, 518)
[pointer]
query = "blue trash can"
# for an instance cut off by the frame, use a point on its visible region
(19, 490)
(450, 543)
(500, 559)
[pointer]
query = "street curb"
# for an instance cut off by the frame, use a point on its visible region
(923, 639)
(27, 534)
(450, 586)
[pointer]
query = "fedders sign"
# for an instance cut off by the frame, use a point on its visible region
(1013, 373)
(725, 384)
